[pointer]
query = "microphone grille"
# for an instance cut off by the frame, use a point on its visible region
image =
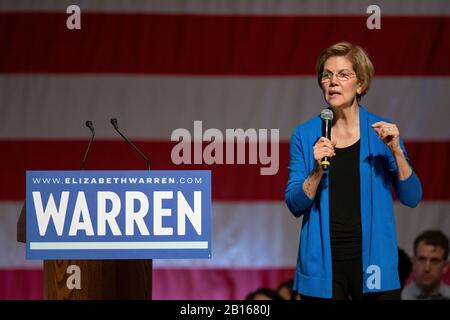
(114, 123)
(327, 114)
(90, 125)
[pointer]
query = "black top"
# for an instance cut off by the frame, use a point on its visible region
(345, 203)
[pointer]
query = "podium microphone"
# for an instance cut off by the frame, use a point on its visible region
(327, 116)
(90, 125)
(131, 144)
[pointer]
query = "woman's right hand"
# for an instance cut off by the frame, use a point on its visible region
(323, 148)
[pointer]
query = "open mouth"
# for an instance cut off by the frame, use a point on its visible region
(333, 94)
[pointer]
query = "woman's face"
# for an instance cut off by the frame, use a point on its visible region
(339, 82)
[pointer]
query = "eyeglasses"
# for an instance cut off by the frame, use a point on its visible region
(341, 76)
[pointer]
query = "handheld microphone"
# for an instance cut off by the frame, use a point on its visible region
(131, 144)
(327, 116)
(90, 125)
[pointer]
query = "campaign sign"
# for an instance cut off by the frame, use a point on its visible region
(118, 214)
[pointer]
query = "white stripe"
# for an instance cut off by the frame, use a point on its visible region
(412, 222)
(151, 107)
(245, 235)
(239, 7)
(118, 245)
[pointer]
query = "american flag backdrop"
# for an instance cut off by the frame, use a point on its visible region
(160, 65)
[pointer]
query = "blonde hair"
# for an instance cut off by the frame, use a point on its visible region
(359, 58)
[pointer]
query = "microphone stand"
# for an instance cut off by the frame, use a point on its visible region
(116, 127)
(90, 125)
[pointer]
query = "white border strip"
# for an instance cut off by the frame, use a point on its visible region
(118, 245)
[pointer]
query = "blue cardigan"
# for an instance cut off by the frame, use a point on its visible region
(378, 172)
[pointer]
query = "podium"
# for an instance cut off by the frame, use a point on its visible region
(100, 279)
(97, 231)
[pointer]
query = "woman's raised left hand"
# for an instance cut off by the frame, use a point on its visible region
(389, 134)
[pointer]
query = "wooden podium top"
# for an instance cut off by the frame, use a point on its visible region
(21, 225)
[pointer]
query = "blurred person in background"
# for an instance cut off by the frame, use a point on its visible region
(430, 264)
(263, 294)
(404, 267)
(285, 290)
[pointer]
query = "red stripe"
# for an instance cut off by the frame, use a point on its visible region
(229, 182)
(215, 45)
(173, 284)
(21, 284)
(215, 284)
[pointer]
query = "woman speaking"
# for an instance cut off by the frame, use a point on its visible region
(348, 245)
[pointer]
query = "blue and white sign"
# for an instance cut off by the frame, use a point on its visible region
(118, 214)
